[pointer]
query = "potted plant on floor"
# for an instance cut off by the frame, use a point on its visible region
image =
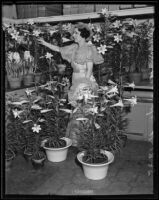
(140, 51)
(55, 144)
(14, 132)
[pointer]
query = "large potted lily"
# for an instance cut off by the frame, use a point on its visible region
(54, 141)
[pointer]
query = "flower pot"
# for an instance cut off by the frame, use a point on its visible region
(135, 77)
(38, 164)
(37, 77)
(28, 79)
(95, 171)
(14, 82)
(58, 154)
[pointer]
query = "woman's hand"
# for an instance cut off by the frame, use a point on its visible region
(41, 41)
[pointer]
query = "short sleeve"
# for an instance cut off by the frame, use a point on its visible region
(67, 52)
(94, 56)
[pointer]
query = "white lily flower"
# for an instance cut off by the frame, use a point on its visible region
(113, 90)
(105, 11)
(16, 113)
(91, 26)
(102, 49)
(96, 37)
(98, 29)
(66, 110)
(27, 56)
(65, 39)
(97, 125)
(36, 107)
(52, 32)
(89, 42)
(51, 96)
(93, 110)
(48, 55)
(102, 109)
(36, 33)
(131, 85)
(27, 121)
(133, 100)
(111, 82)
(28, 92)
(30, 21)
(118, 38)
(104, 88)
(120, 103)
(111, 95)
(117, 24)
(45, 110)
(36, 128)
(37, 99)
(82, 119)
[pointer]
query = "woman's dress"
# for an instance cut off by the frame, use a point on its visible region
(78, 57)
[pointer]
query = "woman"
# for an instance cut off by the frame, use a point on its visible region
(82, 56)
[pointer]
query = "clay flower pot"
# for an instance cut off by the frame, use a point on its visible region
(96, 171)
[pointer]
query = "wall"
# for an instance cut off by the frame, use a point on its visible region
(38, 10)
(87, 8)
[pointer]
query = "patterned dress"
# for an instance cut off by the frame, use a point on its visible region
(78, 57)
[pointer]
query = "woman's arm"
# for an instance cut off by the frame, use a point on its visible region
(50, 46)
(89, 69)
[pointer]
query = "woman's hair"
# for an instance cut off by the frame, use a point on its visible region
(85, 33)
(84, 30)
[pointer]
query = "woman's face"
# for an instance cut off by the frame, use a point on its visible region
(76, 35)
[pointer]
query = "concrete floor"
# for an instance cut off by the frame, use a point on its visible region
(126, 175)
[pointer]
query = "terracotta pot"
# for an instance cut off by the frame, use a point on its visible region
(14, 82)
(58, 154)
(95, 171)
(28, 79)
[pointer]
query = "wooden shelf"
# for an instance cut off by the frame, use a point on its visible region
(82, 16)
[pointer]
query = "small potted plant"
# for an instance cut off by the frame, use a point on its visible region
(13, 67)
(55, 144)
(28, 69)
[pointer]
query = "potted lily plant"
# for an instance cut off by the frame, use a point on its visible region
(13, 67)
(28, 69)
(54, 141)
(101, 129)
(15, 137)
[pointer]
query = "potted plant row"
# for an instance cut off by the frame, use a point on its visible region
(37, 122)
